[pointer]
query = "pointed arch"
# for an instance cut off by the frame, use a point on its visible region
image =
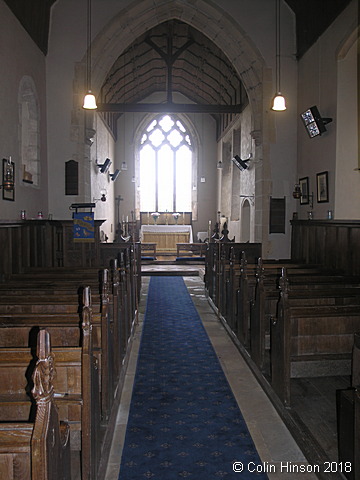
(220, 28)
(29, 131)
(206, 17)
(245, 229)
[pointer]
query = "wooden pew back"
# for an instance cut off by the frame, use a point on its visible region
(39, 451)
(310, 340)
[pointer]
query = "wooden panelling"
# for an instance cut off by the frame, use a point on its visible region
(45, 243)
(334, 244)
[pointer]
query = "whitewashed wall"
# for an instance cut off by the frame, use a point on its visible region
(328, 79)
(20, 58)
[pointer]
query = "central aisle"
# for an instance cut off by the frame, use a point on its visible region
(184, 420)
(272, 439)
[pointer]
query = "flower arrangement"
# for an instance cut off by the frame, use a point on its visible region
(176, 216)
(155, 216)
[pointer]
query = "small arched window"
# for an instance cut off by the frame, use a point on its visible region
(166, 158)
(29, 131)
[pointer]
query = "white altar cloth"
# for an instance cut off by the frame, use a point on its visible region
(166, 229)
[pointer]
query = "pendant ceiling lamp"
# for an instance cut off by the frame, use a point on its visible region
(89, 99)
(279, 100)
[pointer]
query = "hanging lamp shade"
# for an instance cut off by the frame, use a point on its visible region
(90, 101)
(279, 104)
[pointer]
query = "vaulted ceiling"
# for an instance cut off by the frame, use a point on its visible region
(174, 57)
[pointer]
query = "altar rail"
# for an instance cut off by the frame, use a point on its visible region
(334, 244)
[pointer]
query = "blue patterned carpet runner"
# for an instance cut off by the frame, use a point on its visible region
(184, 422)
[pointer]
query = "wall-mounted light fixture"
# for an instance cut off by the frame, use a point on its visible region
(114, 176)
(124, 166)
(219, 165)
(241, 164)
(103, 193)
(303, 196)
(89, 99)
(297, 192)
(279, 100)
(104, 167)
(8, 180)
(314, 123)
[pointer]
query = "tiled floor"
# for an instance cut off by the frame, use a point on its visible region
(280, 455)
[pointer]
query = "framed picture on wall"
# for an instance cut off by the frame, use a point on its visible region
(304, 187)
(8, 194)
(322, 187)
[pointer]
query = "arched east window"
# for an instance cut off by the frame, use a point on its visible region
(166, 158)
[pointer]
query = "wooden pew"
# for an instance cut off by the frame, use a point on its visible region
(310, 339)
(47, 291)
(232, 289)
(217, 266)
(148, 251)
(248, 297)
(264, 299)
(64, 307)
(115, 306)
(309, 285)
(235, 297)
(126, 295)
(128, 256)
(53, 300)
(39, 450)
(191, 251)
(348, 418)
(77, 392)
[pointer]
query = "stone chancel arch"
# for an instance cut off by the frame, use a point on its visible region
(212, 22)
(133, 22)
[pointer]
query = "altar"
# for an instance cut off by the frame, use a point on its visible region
(166, 237)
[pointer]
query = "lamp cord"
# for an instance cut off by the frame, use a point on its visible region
(88, 34)
(277, 43)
